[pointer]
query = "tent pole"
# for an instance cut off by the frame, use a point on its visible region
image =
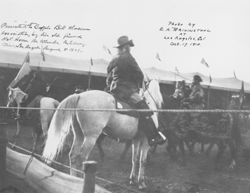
(89, 74)
(208, 97)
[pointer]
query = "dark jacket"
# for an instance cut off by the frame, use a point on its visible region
(124, 75)
(197, 97)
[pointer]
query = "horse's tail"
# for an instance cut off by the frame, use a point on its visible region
(54, 106)
(60, 127)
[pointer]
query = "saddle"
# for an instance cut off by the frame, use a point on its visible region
(121, 104)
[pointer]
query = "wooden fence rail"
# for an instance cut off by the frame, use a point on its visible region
(3, 144)
(45, 179)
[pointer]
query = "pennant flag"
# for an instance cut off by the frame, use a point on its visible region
(43, 54)
(91, 62)
(242, 92)
(106, 49)
(158, 57)
(235, 75)
(24, 70)
(203, 61)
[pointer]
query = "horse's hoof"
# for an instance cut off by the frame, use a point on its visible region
(132, 181)
(142, 186)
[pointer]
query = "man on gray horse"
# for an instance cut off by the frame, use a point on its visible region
(124, 80)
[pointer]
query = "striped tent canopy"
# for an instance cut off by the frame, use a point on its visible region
(14, 59)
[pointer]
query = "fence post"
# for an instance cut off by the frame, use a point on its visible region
(90, 168)
(3, 145)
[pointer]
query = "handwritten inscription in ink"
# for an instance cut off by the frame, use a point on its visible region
(52, 38)
(180, 34)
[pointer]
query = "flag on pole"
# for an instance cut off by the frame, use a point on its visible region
(106, 49)
(158, 57)
(91, 62)
(242, 92)
(210, 78)
(24, 70)
(89, 73)
(203, 61)
(43, 54)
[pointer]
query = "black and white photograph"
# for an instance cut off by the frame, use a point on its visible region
(112, 96)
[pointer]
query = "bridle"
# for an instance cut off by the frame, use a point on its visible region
(14, 97)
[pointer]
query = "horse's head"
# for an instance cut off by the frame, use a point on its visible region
(16, 96)
(179, 92)
(154, 99)
(34, 84)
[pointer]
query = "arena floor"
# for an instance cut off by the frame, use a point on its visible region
(163, 175)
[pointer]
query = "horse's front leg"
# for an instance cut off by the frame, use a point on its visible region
(16, 136)
(172, 145)
(208, 150)
(135, 161)
(221, 149)
(143, 161)
(183, 153)
(18, 126)
(234, 154)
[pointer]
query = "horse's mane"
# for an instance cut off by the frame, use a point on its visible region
(17, 89)
(154, 90)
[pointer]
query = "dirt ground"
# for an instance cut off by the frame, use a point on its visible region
(164, 175)
(16, 185)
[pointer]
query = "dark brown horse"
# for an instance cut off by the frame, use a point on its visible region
(38, 119)
(220, 129)
(33, 97)
(169, 120)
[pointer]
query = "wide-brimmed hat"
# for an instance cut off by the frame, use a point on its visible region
(197, 78)
(124, 40)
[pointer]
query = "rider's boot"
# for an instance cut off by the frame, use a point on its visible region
(154, 136)
(146, 123)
